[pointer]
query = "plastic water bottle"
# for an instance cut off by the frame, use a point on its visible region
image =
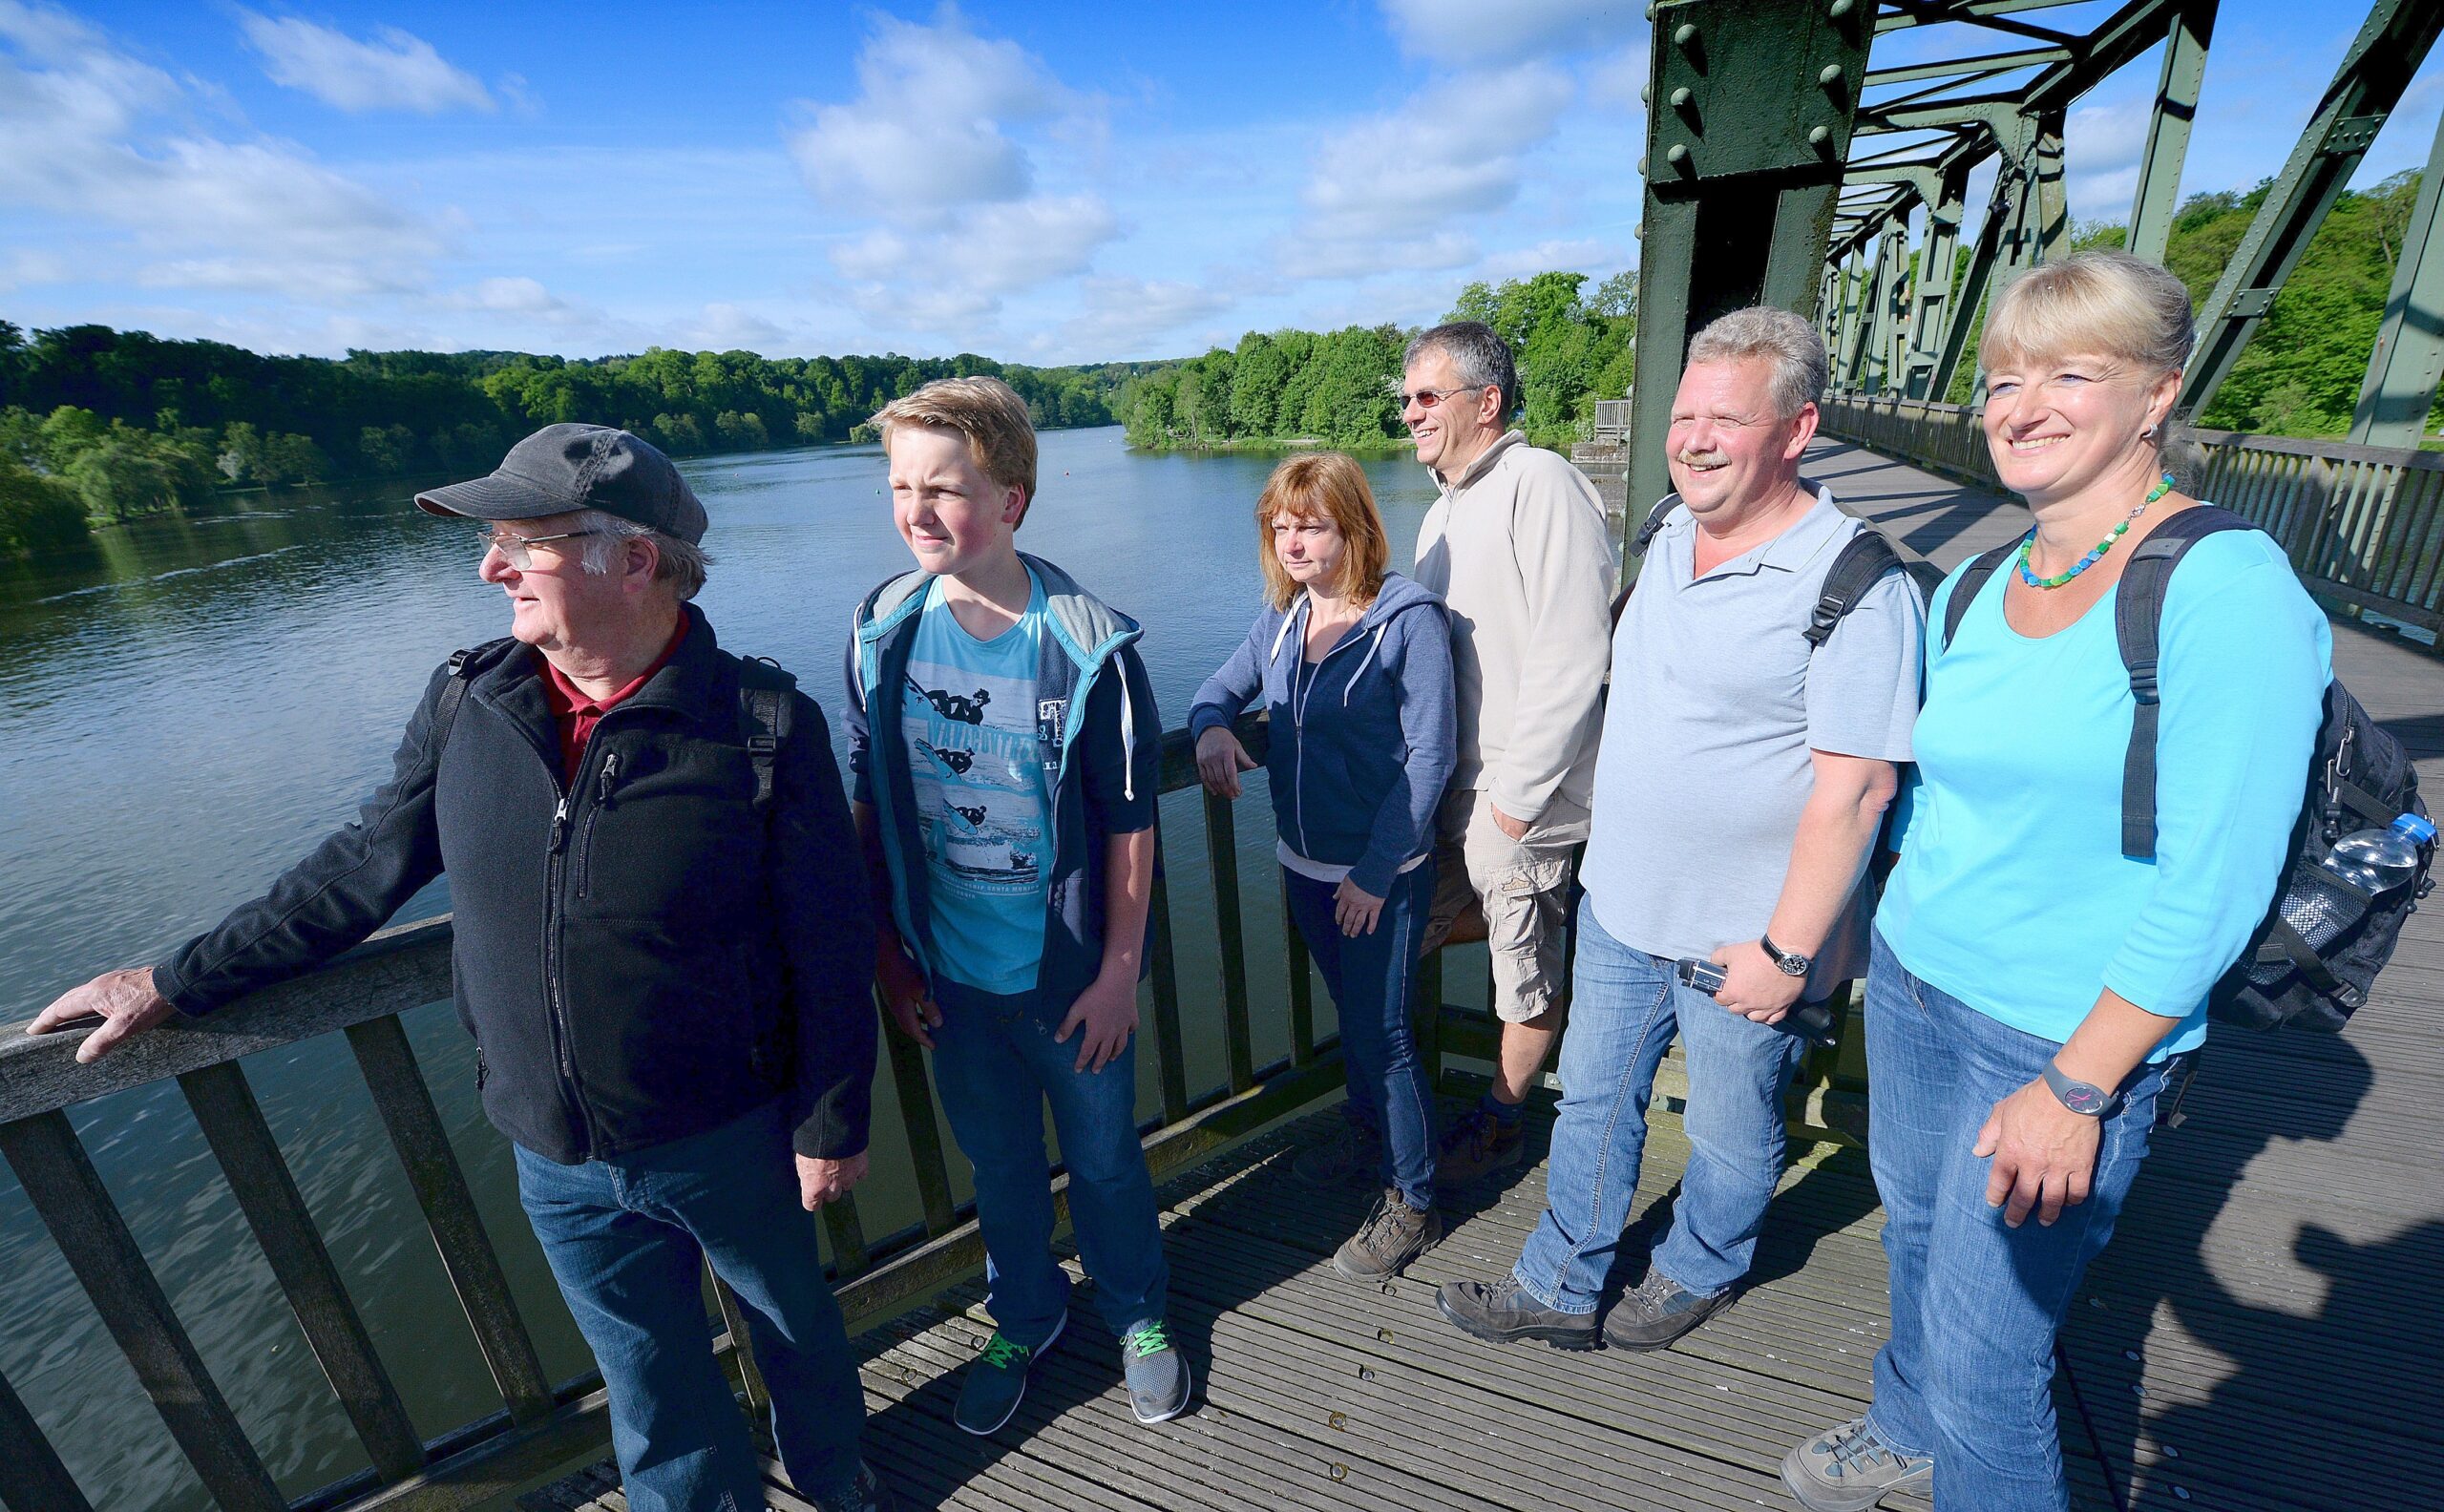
(2370, 860)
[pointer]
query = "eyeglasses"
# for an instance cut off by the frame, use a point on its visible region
(1429, 398)
(518, 549)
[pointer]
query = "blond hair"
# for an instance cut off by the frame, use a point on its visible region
(1000, 432)
(2101, 302)
(1324, 486)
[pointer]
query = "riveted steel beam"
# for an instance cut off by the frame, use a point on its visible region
(1931, 290)
(2157, 198)
(2388, 51)
(2408, 361)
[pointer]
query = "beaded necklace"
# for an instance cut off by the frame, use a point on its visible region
(2102, 547)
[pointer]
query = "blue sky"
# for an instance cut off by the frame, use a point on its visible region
(1038, 183)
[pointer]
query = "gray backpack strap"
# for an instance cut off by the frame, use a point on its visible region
(1965, 591)
(445, 708)
(2138, 621)
(763, 692)
(1864, 560)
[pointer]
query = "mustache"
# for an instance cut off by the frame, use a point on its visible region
(1700, 458)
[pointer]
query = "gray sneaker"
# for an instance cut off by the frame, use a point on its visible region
(1504, 1314)
(1158, 1377)
(1851, 1468)
(1659, 1311)
(1354, 1154)
(998, 1382)
(1394, 1234)
(866, 1493)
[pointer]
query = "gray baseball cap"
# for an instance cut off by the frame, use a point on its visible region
(563, 468)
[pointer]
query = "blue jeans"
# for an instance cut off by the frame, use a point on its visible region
(996, 1066)
(626, 1238)
(1370, 976)
(1625, 1007)
(1976, 1304)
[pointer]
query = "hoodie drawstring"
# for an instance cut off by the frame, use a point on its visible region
(1128, 742)
(1364, 661)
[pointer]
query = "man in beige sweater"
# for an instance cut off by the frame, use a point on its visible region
(1518, 549)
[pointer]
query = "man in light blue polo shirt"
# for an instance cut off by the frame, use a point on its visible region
(1739, 784)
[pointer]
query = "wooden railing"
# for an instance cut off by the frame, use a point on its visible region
(2362, 525)
(540, 1423)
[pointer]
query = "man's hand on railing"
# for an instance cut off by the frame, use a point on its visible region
(123, 1000)
(820, 1181)
(1220, 758)
(905, 997)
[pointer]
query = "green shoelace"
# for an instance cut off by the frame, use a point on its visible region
(1152, 1339)
(1001, 1353)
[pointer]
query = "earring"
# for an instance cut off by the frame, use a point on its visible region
(2147, 432)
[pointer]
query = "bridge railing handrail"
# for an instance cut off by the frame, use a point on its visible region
(2362, 524)
(541, 1423)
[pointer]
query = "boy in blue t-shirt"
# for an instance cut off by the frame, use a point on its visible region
(1008, 823)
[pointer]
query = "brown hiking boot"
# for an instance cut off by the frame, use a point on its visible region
(1394, 1234)
(1476, 1148)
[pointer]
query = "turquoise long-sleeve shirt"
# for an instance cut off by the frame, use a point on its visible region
(2012, 893)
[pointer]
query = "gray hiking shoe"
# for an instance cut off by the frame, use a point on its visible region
(1659, 1311)
(866, 1493)
(1477, 1147)
(1394, 1234)
(1504, 1314)
(998, 1382)
(1851, 1468)
(1353, 1154)
(1158, 1377)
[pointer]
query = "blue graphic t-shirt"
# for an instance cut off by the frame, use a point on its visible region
(968, 714)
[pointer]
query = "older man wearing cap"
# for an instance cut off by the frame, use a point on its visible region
(660, 945)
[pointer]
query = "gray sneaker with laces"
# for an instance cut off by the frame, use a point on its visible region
(1157, 1373)
(866, 1493)
(998, 1382)
(1851, 1468)
(1394, 1234)
(1659, 1311)
(1351, 1153)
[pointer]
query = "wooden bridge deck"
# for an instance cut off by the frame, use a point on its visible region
(2260, 1335)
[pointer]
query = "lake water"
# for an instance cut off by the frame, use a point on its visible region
(197, 700)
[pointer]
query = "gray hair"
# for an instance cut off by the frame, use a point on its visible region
(1779, 337)
(682, 563)
(1481, 357)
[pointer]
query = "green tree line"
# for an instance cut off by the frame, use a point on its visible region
(100, 425)
(1341, 388)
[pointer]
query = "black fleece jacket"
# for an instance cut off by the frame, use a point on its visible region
(640, 954)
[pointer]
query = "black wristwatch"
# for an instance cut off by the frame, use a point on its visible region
(2079, 1097)
(1784, 962)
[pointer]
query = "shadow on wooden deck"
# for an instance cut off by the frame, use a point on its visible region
(2260, 1335)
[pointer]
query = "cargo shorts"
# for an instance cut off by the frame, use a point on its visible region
(1522, 887)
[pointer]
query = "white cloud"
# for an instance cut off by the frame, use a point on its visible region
(925, 134)
(1122, 317)
(91, 134)
(1578, 255)
(2101, 145)
(1471, 32)
(23, 269)
(397, 72)
(1617, 79)
(1386, 192)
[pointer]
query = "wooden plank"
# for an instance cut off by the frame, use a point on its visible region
(923, 1128)
(741, 1345)
(233, 1125)
(1222, 864)
(396, 970)
(65, 1189)
(31, 1477)
(1171, 1055)
(405, 1104)
(848, 1235)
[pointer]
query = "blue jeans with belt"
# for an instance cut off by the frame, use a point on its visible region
(626, 1239)
(1370, 977)
(997, 1064)
(1626, 1008)
(1975, 1303)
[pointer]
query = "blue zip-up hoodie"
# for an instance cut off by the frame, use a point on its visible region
(1362, 743)
(1101, 743)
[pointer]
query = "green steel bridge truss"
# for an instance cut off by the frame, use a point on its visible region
(1848, 132)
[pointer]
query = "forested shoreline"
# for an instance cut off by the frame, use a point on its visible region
(99, 426)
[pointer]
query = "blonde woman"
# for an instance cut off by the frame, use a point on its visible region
(2032, 984)
(1353, 664)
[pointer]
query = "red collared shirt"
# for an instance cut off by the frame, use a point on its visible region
(577, 712)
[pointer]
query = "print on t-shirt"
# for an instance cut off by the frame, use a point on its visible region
(968, 716)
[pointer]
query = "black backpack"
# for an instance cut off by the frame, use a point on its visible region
(2359, 778)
